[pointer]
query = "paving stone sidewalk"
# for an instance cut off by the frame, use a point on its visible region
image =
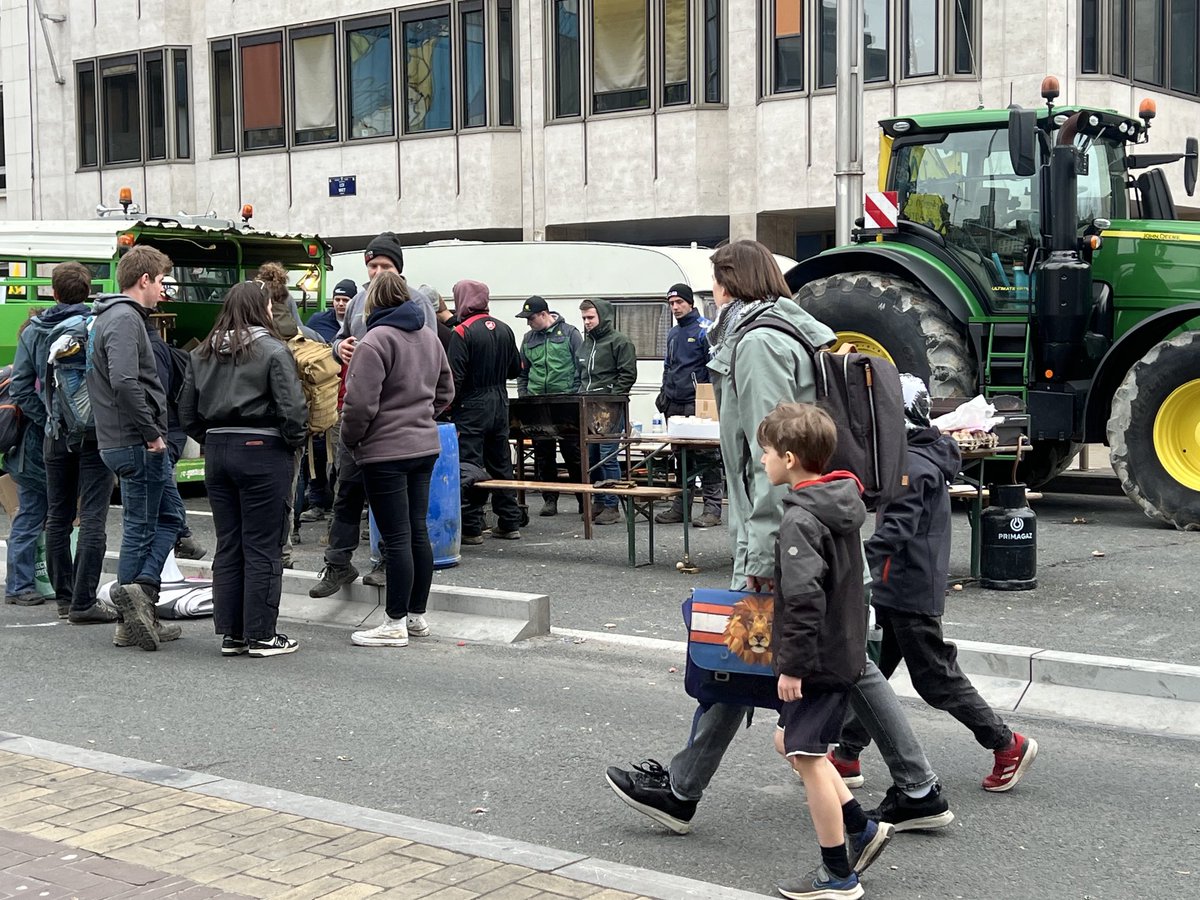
(73, 832)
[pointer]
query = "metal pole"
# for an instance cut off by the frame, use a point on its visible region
(848, 176)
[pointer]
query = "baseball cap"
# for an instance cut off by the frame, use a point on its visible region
(533, 306)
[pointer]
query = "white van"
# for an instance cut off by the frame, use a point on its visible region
(635, 278)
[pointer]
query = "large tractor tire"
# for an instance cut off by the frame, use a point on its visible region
(898, 320)
(1154, 432)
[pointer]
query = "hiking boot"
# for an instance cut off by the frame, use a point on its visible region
(25, 598)
(497, 532)
(1011, 764)
(234, 646)
(471, 540)
(708, 520)
(392, 633)
(377, 577)
(864, 848)
(314, 514)
(821, 884)
(187, 548)
(849, 769)
(906, 814)
(670, 516)
(136, 607)
(417, 626)
(549, 508)
(64, 610)
(647, 788)
(277, 646)
(98, 612)
(123, 638)
(332, 579)
(609, 516)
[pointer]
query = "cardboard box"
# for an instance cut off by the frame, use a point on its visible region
(8, 495)
(706, 402)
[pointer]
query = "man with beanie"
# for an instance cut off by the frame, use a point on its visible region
(685, 366)
(909, 557)
(548, 353)
(483, 356)
(328, 323)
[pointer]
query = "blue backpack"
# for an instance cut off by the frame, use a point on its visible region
(729, 649)
(67, 367)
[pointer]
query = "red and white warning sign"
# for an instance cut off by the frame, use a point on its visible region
(881, 209)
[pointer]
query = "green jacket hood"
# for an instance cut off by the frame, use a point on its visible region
(608, 317)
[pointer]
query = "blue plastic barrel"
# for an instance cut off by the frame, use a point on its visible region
(445, 503)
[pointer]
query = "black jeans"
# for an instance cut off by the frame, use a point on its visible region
(349, 500)
(249, 482)
(398, 491)
(933, 667)
(482, 423)
(545, 463)
(77, 482)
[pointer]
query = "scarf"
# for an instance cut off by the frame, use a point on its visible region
(728, 317)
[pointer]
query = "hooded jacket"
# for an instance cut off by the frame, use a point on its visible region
(260, 391)
(548, 360)
(29, 390)
(607, 359)
(399, 379)
(128, 400)
(771, 366)
(483, 351)
(819, 631)
(909, 553)
(685, 364)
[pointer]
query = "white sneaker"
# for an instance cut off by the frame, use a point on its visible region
(417, 626)
(392, 633)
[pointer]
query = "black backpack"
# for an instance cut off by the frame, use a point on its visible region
(181, 361)
(11, 418)
(862, 395)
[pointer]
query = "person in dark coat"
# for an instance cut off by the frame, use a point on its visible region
(328, 323)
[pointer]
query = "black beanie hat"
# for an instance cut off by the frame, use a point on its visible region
(345, 288)
(683, 292)
(386, 244)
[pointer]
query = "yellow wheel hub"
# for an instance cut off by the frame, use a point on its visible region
(1177, 434)
(864, 343)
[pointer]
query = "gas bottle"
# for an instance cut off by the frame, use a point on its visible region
(1008, 541)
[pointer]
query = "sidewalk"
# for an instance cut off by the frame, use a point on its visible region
(82, 824)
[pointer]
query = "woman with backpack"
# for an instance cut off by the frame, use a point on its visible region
(398, 381)
(242, 399)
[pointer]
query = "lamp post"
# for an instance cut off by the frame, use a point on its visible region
(848, 176)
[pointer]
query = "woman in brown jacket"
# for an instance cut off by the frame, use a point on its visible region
(398, 381)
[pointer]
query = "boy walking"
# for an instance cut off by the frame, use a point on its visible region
(909, 556)
(819, 632)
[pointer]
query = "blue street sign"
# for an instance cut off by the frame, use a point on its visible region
(343, 186)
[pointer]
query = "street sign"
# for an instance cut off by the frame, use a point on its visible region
(343, 186)
(881, 210)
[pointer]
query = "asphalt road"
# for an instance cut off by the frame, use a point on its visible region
(514, 741)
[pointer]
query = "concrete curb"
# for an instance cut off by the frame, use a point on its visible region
(590, 870)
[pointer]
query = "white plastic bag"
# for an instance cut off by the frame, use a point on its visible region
(974, 415)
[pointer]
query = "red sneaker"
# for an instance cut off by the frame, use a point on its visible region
(850, 770)
(1011, 764)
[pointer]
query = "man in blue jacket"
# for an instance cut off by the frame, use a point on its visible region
(685, 366)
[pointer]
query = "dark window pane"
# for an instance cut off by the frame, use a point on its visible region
(504, 34)
(369, 59)
(224, 124)
(620, 55)
(1120, 38)
(566, 58)
(89, 153)
(676, 61)
(183, 112)
(920, 38)
(1089, 37)
(427, 74)
(122, 112)
(789, 46)
(875, 40)
(314, 94)
(827, 59)
(474, 75)
(3, 155)
(712, 51)
(156, 108)
(964, 37)
(1183, 45)
(1148, 41)
(262, 95)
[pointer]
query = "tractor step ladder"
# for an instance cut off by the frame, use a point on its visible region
(1006, 357)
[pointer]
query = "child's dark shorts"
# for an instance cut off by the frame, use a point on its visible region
(812, 723)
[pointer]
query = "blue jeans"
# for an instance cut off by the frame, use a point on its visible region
(153, 512)
(610, 470)
(27, 526)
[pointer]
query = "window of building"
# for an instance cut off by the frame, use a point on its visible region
(964, 36)
(566, 59)
(156, 105)
(876, 66)
(1119, 22)
(474, 66)
(827, 45)
(369, 79)
(506, 62)
(121, 109)
(3, 153)
(1089, 37)
(1151, 42)
(314, 85)
(620, 55)
(676, 53)
(427, 67)
(1148, 41)
(1185, 27)
(183, 111)
(920, 38)
(260, 75)
(712, 51)
(87, 126)
(224, 93)
(787, 47)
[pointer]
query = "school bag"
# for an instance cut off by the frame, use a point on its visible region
(11, 418)
(320, 377)
(69, 361)
(729, 649)
(180, 361)
(862, 395)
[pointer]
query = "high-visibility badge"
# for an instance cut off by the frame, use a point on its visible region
(881, 209)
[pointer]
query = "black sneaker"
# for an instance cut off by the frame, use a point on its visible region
(333, 578)
(906, 814)
(647, 788)
(187, 548)
(234, 646)
(98, 613)
(276, 646)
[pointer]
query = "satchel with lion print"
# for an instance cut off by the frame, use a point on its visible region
(729, 648)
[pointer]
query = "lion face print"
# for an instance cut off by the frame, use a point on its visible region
(748, 632)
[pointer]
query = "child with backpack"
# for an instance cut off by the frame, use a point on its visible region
(909, 557)
(819, 637)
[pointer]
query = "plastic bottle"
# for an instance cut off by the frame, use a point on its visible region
(656, 424)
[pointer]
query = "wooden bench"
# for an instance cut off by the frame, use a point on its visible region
(639, 499)
(970, 492)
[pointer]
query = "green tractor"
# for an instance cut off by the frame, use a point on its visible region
(1017, 268)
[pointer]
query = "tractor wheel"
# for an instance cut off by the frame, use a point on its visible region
(898, 320)
(1154, 432)
(1046, 460)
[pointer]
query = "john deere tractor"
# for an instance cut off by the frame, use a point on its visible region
(1019, 268)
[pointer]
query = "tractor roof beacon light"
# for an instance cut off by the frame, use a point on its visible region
(126, 240)
(125, 198)
(1147, 110)
(247, 213)
(1050, 91)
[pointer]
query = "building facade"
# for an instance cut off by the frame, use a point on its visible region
(647, 121)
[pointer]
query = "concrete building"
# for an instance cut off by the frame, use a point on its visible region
(657, 121)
